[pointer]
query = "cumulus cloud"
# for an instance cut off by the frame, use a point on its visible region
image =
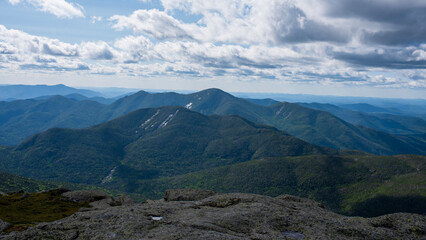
(29, 52)
(6, 48)
(388, 11)
(96, 50)
(135, 48)
(54, 67)
(385, 22)
(15, 41)
(417, 78)
(207, 55)
(36, 44)
(14, 2)
(95, 19)
(316, 41)
(44, 59)
(154, 23)
(405, 58)
(59, 8)
(240, 21)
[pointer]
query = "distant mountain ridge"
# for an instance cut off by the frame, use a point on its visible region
(412, 110)
(374, 118)
(22, 118)
(8, 92)
(317, 127)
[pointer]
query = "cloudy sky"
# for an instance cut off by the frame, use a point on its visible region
(335, 47)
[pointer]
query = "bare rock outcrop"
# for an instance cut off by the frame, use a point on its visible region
(225, 216)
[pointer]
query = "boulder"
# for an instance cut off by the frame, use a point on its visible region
(85, 195)
(124, 200)
(187, 194)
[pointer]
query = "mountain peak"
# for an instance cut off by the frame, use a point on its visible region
(141, 92)
(214, 94)
(213, 91)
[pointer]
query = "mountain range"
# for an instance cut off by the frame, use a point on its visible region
(149, 143)
(16, 92)
(20, 119)
(382, 121)
(414, 110)
(153, 149)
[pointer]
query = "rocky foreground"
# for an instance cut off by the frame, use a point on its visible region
(198, 214)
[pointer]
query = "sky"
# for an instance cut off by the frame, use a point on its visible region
(325, 47)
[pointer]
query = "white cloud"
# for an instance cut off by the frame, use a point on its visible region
(154, 23)
(417, 78)
(135, 48)
(14, 2)
(15, 41)
(59, 8)
(96, 50)
(96, 19)
(35, 44)
(6, 48)
(239, 21)
(242, 40)
(266, 38)
(306, 62)
(35, 52)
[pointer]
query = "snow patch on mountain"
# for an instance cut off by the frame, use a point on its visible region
(146, 123)
(168, 119)
(189, 105)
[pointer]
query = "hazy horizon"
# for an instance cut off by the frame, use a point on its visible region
(113, 92)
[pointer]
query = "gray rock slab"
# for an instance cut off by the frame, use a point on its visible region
(226, 216)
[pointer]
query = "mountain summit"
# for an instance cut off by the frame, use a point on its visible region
(197, 214)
